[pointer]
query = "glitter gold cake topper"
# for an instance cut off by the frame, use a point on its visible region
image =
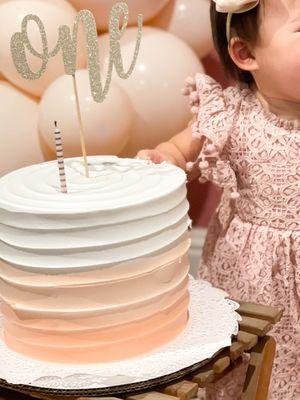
(68, 43)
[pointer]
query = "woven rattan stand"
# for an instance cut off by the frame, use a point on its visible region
(257, 321)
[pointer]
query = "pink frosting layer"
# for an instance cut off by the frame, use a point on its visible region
(96, 274)
(81, 320)
(119, 315)
(103, 352)
(98, 296)
(84, 336)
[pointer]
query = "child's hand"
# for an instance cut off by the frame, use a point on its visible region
(156, 156)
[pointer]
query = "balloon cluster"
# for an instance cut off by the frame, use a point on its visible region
(138, 112)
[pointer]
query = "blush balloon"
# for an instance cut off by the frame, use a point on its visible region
(154, 88)
(106, 125)
(63, 4)
(52, 15)
(190, 21)
(19, 137)
(101, 10)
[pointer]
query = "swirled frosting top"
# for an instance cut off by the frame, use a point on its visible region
(114, 183)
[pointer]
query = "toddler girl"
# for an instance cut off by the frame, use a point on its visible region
(246, 139)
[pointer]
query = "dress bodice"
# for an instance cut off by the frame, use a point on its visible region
(249, 151)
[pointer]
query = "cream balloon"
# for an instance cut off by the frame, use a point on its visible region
(154, 88)
(52, 16)
(101, 10)
(106, 125)
(19, 138)
(190, 21)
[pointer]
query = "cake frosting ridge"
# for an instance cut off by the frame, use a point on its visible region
(97, 274)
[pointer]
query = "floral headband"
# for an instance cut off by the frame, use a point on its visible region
(234, 7)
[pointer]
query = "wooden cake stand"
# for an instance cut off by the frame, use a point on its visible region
(257, 321)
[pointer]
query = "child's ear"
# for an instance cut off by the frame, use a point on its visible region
(242, 55)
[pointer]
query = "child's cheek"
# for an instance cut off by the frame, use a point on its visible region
(294, 56)
(290, 63)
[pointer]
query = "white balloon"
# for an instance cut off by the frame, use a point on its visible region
(106, 125)
(189, 20)
(154, 88)
(19, 137)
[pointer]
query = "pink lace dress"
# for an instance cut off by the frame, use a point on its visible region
(252, 248)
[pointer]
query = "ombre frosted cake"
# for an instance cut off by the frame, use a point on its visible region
(101, 273)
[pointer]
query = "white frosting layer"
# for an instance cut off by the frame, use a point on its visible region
(126, 209)
(114, 184)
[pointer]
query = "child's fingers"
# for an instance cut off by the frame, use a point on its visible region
(157, 157)
(144, 154)
(151, 155)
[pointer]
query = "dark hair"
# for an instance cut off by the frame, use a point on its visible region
(246, 25)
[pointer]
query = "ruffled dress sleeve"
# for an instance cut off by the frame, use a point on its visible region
(214, 110)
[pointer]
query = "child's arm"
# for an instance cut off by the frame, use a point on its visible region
(179, 150)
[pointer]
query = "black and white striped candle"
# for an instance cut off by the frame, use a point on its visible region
(60, 159)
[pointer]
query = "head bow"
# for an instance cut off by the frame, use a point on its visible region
(234, 7)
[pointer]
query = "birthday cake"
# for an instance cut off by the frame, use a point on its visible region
(99, 273)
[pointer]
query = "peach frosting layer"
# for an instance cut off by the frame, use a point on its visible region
(107, 277)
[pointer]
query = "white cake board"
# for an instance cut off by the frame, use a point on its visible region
(212, 323)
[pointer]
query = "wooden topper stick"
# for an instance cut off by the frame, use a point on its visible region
(81, 130)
